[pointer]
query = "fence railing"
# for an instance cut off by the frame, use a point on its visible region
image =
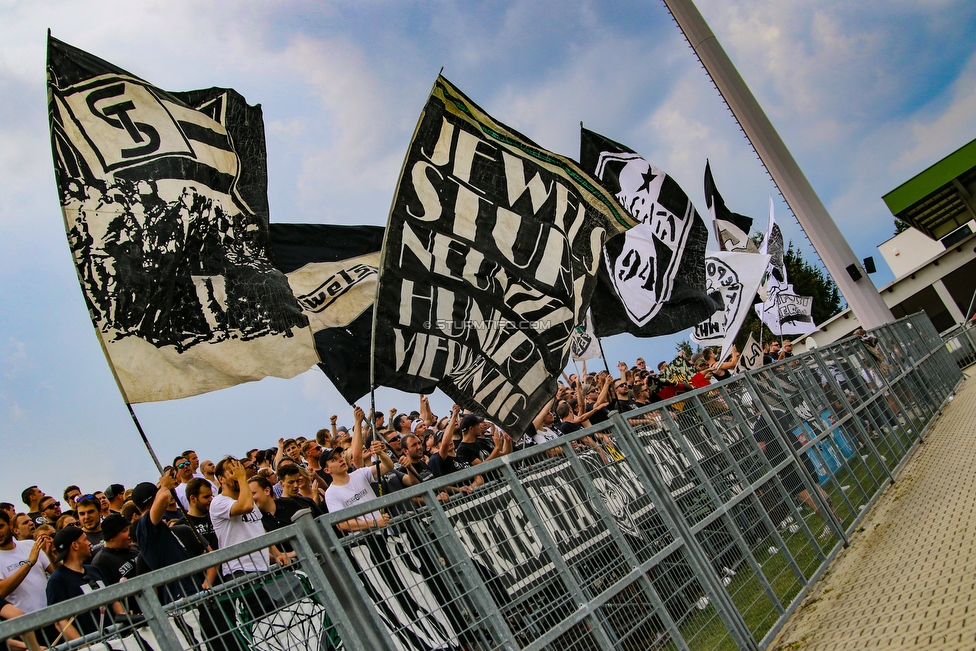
(960, 341)
(696, 523)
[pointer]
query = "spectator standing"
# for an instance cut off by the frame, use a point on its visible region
(50, 511)
(90, 521)
(184, 473)
(117, 559)
(115, 494)
(31, 497)
(24, 566)
(23, 527)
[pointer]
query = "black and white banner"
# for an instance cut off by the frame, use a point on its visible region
(781, 309)
(731, 229)
(332, 271)
(164, 197)
(735, 277)
(489, 263)
(652, 280)
(751, 356)
(585, 344)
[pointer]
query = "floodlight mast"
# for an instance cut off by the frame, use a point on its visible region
(861, 295)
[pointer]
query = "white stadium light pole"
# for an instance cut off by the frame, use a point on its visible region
(826, 238)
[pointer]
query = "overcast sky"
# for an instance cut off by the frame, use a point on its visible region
(865, 94)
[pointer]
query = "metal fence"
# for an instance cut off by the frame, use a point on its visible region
(960, 341)
(696, 523)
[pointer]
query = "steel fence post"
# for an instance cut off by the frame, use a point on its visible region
(358, 613)
(532, 513)
(157, 619)
(812, 488)
(627, 551)
(726, 608)
(456, 556)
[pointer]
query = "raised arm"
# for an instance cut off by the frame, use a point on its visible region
(425, 413)
(449, 432)
(540, 421)
(357, 436)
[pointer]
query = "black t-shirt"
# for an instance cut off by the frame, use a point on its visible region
(468, 452)
(67, 584)
(567, 427)
(116, 564)
(203, 528)
(285, 507)
(160, 547)
(445, 466)
(420, 470)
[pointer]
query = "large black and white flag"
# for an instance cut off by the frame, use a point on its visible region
(652, 278)
(489, 263)
(332, 271)
(164, 197)
(731, 228)
(735, 277)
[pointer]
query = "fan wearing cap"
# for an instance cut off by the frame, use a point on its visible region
(75, 578)
(445, 460)
(158, 543)
(351, 488)
(116, 497)
(117, 560)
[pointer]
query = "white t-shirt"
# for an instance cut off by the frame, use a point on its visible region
(545, 434)
(233, 529)
(181, 496)
(29, 595)
(358, 490)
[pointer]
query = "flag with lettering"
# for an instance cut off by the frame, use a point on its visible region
(489, 262)
(652, 277)
(734, 277)
(164, 198)
(780, 308)
(332, 271)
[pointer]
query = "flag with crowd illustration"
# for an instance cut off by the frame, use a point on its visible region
(164, 198)
(652, 277)
(489, 263)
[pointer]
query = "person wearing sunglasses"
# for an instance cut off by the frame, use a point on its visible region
(184, 473)
(50, 511)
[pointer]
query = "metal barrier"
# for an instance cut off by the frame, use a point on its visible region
(960, 341)
(696, 523)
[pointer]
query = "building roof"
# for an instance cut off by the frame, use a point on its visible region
(939, 199)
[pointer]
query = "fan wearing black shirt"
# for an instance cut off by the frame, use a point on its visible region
(445, 461)
(199, 493)
(117, 559)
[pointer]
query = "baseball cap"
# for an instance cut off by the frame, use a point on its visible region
(113, 525)
(415, 424)
(144, 494)
(328, 453)
(470, 420)
(64, 538)
(114, 490)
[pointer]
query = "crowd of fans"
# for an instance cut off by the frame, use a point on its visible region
(52, 549)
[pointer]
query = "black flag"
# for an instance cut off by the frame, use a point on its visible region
(731, 228)
(652, 277)
(489, 262)
(332, 271)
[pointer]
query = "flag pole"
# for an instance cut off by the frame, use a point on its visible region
(145, 439)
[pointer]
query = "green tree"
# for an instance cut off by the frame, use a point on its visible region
(807, 280)
(901, 227)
